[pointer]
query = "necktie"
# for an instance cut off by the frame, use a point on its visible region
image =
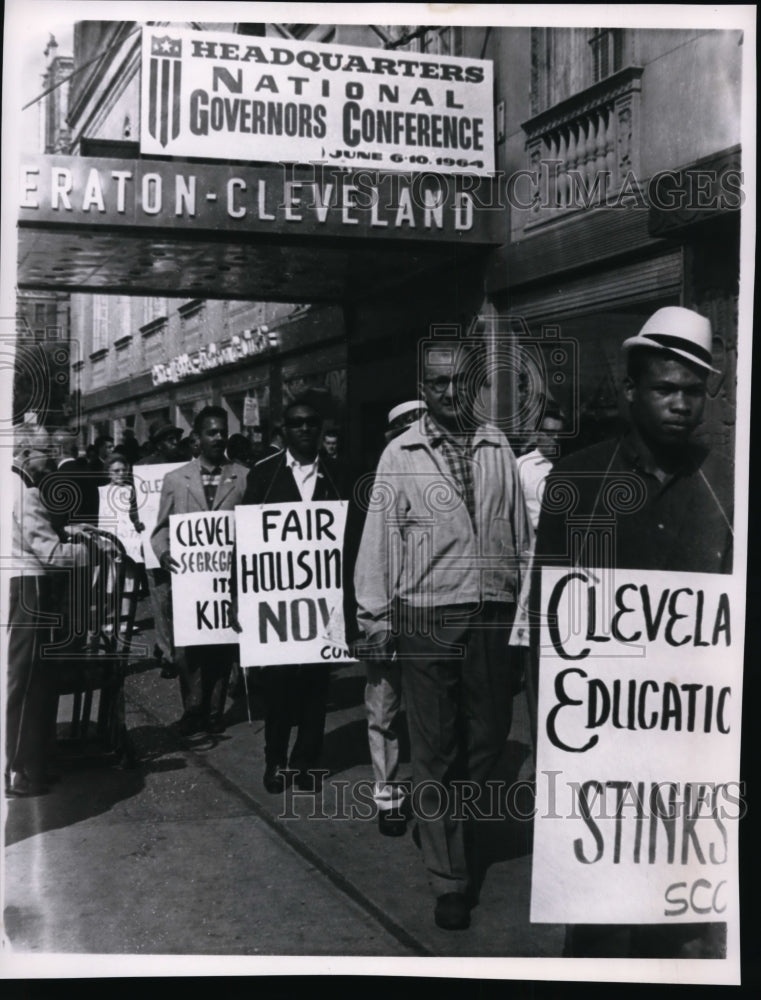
(210, 484)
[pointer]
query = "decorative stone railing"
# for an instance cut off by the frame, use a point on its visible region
(583, 151)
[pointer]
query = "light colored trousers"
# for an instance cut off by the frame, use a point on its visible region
(383, 702)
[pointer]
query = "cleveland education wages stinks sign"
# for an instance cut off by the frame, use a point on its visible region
(638, 749)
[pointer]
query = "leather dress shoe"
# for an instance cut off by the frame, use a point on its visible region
(276, 780)
(308, 781)
(392, 822)
(188, 725)
(215, 727)
(452, 911)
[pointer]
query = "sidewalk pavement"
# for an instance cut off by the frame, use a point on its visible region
(381, 880)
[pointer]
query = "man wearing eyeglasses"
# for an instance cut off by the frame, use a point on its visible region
(437, 579)
(296, 693)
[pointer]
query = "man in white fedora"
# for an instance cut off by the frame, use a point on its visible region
(684, 519)
(668, 499)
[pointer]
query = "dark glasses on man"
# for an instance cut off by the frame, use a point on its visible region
(295, 422)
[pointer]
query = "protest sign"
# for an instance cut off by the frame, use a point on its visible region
(114, 503)
(638, 749)
(290, 575)
(202, 544)
(251, 417)
(148, 482)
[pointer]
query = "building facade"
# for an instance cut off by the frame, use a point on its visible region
(140, 359)
(618, 191)
(42, 359)
(631, 196)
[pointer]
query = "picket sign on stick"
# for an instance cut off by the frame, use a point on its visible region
(637, 790)
(114, 502)
(202, 544)
(289, 569)
(149, 480)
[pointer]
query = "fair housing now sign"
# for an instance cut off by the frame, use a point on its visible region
(289, 569)
(226, 96)
(638, 756)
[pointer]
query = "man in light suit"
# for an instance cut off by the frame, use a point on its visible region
(208, 482)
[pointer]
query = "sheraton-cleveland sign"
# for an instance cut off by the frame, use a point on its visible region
(268, 199)
(227, 96)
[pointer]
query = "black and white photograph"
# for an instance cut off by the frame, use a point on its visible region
(374, 448)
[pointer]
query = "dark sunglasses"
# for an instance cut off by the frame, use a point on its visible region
(295, 422)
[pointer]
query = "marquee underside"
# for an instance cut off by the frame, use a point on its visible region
(165, 263)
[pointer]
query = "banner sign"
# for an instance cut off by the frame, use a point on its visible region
(226, 96)
(114, 505)
(210, 357)
(148, 482)
(639, 711)
(202, 544)
(273, 200)
(289, 570)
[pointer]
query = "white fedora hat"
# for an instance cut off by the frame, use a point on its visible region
(404, 408)
(678, 331)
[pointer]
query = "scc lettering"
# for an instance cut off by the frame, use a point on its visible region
(708, 894)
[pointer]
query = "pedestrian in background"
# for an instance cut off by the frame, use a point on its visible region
(383, 687)
(536, 465)
(239, 449)
(37, 551)
(277, 442)
(163, 441)
(331, 443)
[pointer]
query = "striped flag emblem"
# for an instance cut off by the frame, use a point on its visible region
(165, 75)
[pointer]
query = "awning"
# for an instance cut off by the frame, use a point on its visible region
(270, 232)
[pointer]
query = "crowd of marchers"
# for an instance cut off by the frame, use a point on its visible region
(442, 556)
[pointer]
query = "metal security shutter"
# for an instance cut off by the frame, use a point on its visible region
(644, 281)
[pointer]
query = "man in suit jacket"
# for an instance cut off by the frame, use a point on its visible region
(208, 482)
(296, 693)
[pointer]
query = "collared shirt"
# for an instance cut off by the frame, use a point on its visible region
(210, 478)
(458, 455)
(682, 522)
(533, 468)
(305, 475)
